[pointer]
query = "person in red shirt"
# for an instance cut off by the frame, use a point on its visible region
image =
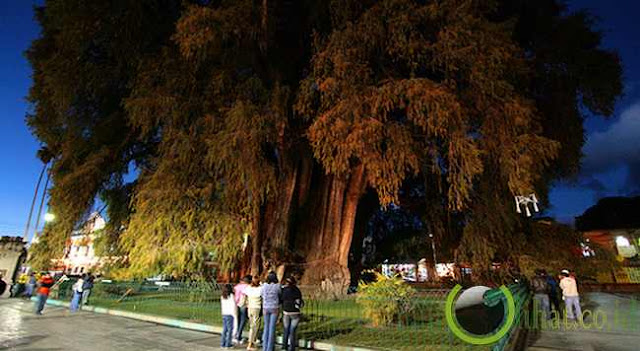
(44, 287)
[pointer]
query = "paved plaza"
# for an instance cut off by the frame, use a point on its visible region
(622, 331)
(57, 329)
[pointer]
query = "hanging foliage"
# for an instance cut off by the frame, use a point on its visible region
(272, 119)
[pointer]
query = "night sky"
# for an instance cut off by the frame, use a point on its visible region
(611, 165)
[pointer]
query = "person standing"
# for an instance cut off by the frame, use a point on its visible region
(45, 284)
(77, 294)
(20, 287)
(254, 303)
(570, 295)
(291, 304)
(242, 305)
(3, 286)
(31, 285)
(271, 296)
(229, 314)
(553, 293)
(541, 293)
(86, 288)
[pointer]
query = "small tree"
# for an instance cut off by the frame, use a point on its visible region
(386, 299)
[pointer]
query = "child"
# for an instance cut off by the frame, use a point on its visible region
(229, 314)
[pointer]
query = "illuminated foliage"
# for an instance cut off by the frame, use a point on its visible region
(272, 119)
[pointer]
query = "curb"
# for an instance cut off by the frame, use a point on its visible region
(308, 344)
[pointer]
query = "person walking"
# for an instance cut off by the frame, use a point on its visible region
(570, 296)
(86, 288)
(229, 314)
(541, 290)
(77, 294)
(271, 296)
(254, 303)
(242, 305)
(291, 303)
(45, 284)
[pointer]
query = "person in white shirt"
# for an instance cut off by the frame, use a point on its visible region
(570, 295)
(254, 302)
(77, 294)
(229, 314)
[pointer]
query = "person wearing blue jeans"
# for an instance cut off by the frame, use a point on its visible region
(77, 295)
(243, 305)
(75, 301)
(269, 332)
(229, 314)
(291, 304)
(42, 301)
(227, 330)
(242, 321)
(271, 295)
(289, 340)
(46, 282)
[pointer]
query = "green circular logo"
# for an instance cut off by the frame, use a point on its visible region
(480, 339)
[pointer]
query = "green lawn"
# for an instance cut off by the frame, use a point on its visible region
(341, 322)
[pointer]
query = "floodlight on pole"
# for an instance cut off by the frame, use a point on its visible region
(49, 217)
(526, 200)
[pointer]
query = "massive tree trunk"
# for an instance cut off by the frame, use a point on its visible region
(275, 250)
(325, 232)
(309, 226)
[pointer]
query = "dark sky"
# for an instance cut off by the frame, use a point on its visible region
(612, 154)
(611, 166)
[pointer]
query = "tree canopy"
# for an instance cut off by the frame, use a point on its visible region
(270, 120)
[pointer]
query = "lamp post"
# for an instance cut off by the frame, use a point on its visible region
(433, 249)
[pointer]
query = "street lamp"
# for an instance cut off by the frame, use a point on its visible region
(433, 249)
(49, 217)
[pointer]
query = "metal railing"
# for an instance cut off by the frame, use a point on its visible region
(421, 326)
(522, 297)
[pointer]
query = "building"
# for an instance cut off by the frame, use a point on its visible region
(614, 224)
(79, 255)
(13, 254)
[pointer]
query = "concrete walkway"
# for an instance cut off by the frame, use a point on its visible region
(57, 329)
(617, 327)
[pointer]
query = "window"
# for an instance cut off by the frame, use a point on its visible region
(81, 269)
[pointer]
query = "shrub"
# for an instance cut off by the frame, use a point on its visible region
(385, 300)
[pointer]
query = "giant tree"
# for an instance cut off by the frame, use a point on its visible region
(258, 127)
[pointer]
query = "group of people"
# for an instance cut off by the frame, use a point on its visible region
(81, 292)
(23, 287)
(41, 285)
(251, 300)
(547, 290)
